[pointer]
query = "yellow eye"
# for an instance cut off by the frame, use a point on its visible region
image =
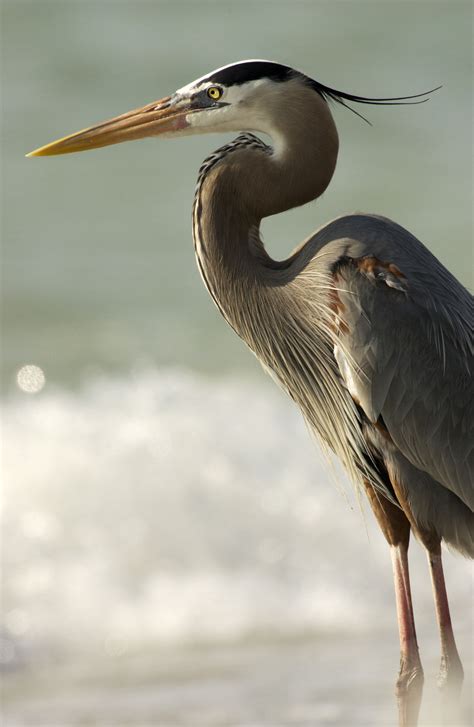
(214, 92)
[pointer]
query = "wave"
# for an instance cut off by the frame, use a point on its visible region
(167, 507)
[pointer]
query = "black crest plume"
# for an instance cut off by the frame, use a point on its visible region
(238, 73)
(330, 94)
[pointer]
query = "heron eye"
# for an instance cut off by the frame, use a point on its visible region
(214, 92)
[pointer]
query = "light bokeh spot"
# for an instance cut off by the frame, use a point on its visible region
(30, 379)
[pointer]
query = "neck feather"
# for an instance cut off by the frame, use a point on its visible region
(246, 181)
(281, 312)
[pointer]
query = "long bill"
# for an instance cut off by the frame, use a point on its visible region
(157, 118)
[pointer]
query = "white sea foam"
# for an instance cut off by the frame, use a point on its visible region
(168, 507)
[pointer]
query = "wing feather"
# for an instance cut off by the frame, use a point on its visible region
(405, 354)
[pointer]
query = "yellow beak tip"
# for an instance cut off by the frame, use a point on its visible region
(150, 120)
(43, 151)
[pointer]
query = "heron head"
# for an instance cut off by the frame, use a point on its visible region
(245, 96)
(238, 97)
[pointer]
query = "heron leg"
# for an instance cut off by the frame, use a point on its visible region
(451, 672)
(409, 685)
(396, 529)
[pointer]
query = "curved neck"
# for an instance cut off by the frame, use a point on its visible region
(285, 318)
(305, 147)
(249, 182)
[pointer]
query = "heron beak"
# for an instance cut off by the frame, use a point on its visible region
(165, 116)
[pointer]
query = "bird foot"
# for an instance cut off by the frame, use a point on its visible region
(409, 689)
(450, 679)
(451, 674)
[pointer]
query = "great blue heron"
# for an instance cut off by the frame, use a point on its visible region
(362, 326)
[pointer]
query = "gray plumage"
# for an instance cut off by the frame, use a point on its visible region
(366, 331)
(400, 352)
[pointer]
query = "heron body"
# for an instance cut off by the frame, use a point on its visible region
(362, 326)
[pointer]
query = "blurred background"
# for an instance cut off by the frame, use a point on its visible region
(175, 548)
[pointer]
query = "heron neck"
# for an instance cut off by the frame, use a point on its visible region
(250, 182)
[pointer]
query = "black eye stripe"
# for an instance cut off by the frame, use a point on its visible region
(239, 73)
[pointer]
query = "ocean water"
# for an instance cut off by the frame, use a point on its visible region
(175, 543)
(176, 549)
(97, 254)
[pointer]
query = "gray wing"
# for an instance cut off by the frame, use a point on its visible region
(404, 349)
